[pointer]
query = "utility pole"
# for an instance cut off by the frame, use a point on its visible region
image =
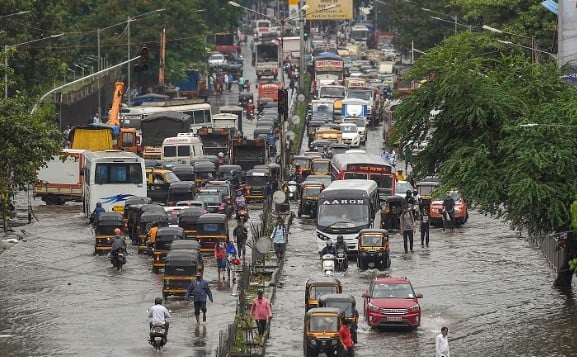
(128, 58)
(302, 60)
(99, 65)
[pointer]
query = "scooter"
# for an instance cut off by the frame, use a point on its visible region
(328, 264)
(341, 261)
(119, 259)
(292, 190)
(242, 215)
(157, 337)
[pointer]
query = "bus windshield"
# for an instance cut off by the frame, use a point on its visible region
(116, 173)
(349, 215)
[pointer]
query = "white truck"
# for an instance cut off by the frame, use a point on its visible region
(61, 179)
(291, 49)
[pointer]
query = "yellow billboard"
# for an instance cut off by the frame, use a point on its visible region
(339, 10)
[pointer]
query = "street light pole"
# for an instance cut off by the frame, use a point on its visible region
(302, 55)
(128, 57)
(7, 47)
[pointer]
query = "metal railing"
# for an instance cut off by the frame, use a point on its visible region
(549, 245)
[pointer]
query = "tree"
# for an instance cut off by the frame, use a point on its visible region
(484, 92)
(28, 141)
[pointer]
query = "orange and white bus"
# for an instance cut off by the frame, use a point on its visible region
(367, 167)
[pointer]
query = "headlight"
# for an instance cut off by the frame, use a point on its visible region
(333, 342)
(457, 209)
(313, 342)
(364, 254)
(414, 308)
(372, 307)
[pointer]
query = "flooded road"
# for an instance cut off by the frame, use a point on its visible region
(490, 287)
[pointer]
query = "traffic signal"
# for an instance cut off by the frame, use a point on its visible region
(144, 60)
(307, 30)
(283, 101)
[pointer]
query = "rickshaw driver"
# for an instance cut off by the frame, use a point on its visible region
(152, 234)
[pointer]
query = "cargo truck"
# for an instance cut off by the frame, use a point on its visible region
(61, 180)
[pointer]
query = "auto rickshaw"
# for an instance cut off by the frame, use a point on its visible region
(263, 132)
(226, 172)
(310, 193)
(184, 172)
(345, 302)
(212, 229)
(256, 181)
(188, 245)
(210, 158)
(373, 249)
(391, 210)
(157, 183)
(425, 190)
(164, 238)
(305, 163)
(321, 331)
(130, 215)
(204, 171)
(321, 167)
(315, 287)
(145, 221)
(179, 271)
(188, 221)
(180, 191)
(104, 231)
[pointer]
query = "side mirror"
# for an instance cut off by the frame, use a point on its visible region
(365, 295)
(419, 296)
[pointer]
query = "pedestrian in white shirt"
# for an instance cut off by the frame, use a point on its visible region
(442, 343)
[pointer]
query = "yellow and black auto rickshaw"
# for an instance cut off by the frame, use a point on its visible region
(316, 287)
(256, 181)
(310, 193)
(345, 302)
(305, 164)
(146, 219)
(180, 191)
(188, 221)
(373, 249)
(391, 210)
(188, 245)
(184, 172)
(204, 171)
(132, 208)
(321, 331)
(104, 231)
(320, 166)
(162, 245)
(212, 229)
(179, 271)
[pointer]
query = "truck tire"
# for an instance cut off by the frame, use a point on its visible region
(50, 200)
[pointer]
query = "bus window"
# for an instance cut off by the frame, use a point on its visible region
(383, 181)
(352, 175)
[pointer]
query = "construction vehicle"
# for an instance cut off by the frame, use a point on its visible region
(248, 152)
(109, 136)
(61, 179)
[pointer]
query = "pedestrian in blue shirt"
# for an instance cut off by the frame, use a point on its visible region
(279, 238)
(199, 291)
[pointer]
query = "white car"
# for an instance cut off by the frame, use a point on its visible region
(216, 59)
(350, 134)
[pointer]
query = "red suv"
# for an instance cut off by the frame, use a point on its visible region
(392, 302)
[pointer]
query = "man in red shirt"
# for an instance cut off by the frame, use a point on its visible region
(346, 339)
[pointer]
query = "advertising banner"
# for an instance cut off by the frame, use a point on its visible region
(343, 10)
(329, 66)
(293, 6)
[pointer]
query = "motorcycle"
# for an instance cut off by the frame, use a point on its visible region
(119, 259)
(157, 337)
(447, 220)
(292, 190)
(342, 263)
(242, 215)
(328, 264)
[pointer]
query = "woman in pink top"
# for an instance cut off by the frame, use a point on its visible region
(261, 311)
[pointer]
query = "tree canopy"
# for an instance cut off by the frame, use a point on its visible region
(484, 92)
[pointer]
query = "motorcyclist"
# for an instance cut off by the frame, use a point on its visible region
(329, 249)
(118, 243)
(250, 109)
(158, 315)
(240, 200)
(409, 198)
(98, 210)
(341, 246)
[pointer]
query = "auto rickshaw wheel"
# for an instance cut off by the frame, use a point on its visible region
(164, 295)
(300, 212)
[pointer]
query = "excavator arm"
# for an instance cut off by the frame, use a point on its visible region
(114, 118)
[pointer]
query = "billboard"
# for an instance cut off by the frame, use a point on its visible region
(343, 10)
(293, 7)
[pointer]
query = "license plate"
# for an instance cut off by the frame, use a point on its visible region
(118, 208)
(394, 319)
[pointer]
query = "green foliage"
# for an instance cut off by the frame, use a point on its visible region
(485, 92)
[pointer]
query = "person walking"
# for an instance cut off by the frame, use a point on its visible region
(221, 259)
(261, 312)
(424, 227)
(346, 339)
(279, 238)
(199, 291)
(407, 226)
(442, 343)
(240, 235)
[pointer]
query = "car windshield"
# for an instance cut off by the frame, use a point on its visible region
(349, 128)
(359, 94)
(393, 291)
(351, 215)
(402, 187)
(208, 198)
(372, 240)
(220, 188)
(216, 57)
(323, 323)
(321, 166)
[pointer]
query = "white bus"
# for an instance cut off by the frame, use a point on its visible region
(200, 113)
(345, 208)
(111, 177)
(182, 148)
